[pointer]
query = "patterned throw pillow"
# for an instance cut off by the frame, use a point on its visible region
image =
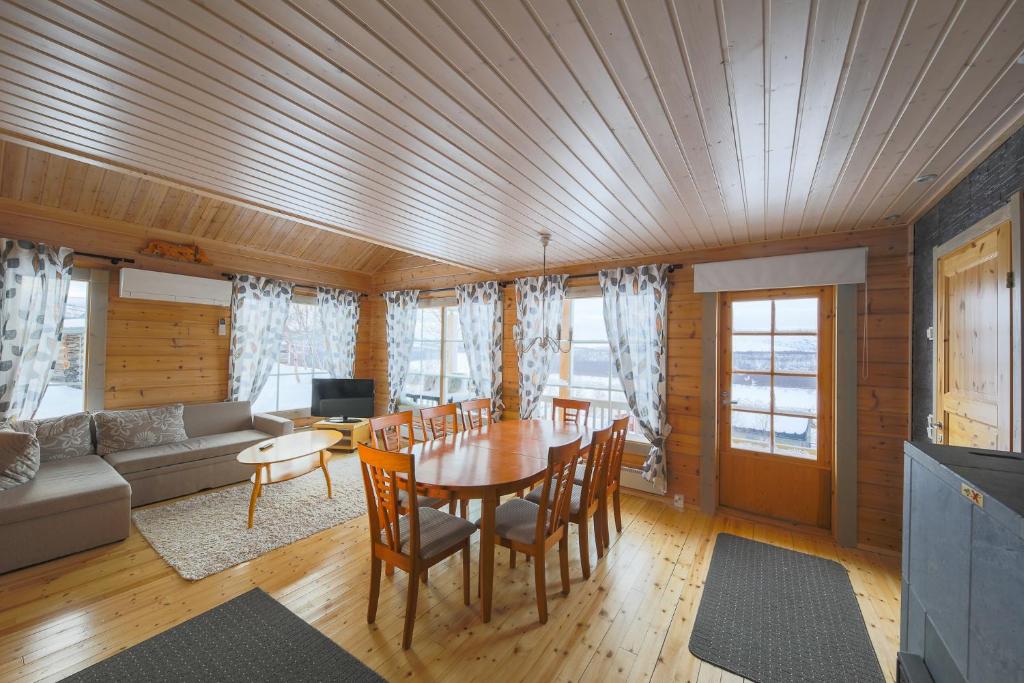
(64, 437)
(122, 430)
(19, 458)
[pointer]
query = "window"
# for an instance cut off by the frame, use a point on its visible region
(65, 393)
(290, 385)
(587, 372)
(774, 376)
(438, 365)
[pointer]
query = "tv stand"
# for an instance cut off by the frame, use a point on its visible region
(353, 431)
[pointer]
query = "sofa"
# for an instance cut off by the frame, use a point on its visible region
(82, 501)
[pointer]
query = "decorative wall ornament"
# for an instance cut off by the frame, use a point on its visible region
(481, 318)
(189, 253)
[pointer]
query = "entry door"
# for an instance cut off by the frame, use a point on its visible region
(974, 357)
(775, 452)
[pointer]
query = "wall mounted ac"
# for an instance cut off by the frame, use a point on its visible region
(156, 286)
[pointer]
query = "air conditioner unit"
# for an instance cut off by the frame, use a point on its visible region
(156, 286)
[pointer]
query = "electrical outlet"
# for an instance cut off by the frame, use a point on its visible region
(678, 501)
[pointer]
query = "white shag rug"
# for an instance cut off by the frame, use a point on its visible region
(207, 533)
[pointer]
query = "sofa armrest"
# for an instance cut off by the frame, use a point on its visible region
(272, 424)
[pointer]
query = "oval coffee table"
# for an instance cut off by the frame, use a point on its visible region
(287, 457)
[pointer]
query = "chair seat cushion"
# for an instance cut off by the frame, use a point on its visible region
(61, 486)
(574, 503)
(439, 531)
(189, 450)
(516, 519)
(423, 501)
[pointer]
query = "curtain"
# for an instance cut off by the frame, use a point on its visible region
(36, 279)
(259, 310)
(635, 306)
(535, 362)
(401, 320)
(480, 317)
(337, 323)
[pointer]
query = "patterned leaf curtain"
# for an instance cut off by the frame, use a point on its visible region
(259, 309)
(36, 279)
(635, 307)
(337, 323)
(535, 362)
(401, 320)
(481, 319)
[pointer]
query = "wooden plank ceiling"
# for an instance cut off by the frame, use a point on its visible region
(458, 130)
(37, 177)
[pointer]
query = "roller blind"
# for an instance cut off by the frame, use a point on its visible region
(839, 267)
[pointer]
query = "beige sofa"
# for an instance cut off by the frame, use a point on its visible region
(84, 501)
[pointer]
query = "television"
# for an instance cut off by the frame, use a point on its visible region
(342, 398)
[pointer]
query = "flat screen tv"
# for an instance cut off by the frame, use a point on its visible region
(342, 398)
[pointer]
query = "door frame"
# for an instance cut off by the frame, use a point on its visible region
(1011, 211)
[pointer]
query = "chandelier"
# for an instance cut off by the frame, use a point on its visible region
(524, 344)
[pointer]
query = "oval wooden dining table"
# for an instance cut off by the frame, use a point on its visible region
(486, 463)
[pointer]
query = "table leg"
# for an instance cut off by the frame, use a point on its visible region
(488, 505)
(324, 456)
(256, 487)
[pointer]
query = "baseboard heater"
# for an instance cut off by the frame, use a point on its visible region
(633, 478)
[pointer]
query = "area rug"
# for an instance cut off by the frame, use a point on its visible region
(207, 533)
(770, 614)
(250, 638)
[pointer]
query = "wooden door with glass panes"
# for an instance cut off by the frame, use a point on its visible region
(775, 445)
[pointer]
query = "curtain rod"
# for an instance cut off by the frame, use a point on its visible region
(504, 283)
(231, 276)
(114, 260)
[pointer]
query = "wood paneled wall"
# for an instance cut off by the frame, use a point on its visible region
(883, 387)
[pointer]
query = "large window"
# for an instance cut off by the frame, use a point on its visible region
(587, 372)
(65, 393)
(438, 366)
(290, 385)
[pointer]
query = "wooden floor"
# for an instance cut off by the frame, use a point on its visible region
(630, 621)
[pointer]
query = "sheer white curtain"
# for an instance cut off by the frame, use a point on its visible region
(36, 279)
(533, 295)
(481, 318)
(401, 321)
(635, 317)
(259, 310)
(337, 322)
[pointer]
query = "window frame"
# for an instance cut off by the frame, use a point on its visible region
(306, 411)
(444, 306)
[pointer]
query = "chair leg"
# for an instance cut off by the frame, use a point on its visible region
(598, 536)
(410, 610)
(563, 561)
(375, 568)
(511, 558)
(584, 549)
(465, 572)
(464, 508)
(618, 511)
(423, 576)
(541, 579)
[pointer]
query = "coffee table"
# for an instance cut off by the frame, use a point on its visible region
(287, 457)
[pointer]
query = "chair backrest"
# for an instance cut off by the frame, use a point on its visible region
(573, 411)
(476, 413)
(595, 474)
(556, 492)
(434, 421)
(384, 474)
(620, 427)
(386, 430)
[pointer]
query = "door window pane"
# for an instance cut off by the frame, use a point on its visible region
(752, 316)
(752, 391)
(796, 315)
(752, 352)
(751, 431)
(796, 395)
(796, 354)
(65, 393)
(796, 436)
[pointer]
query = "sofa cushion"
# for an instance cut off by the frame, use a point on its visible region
(216, 418)
(121, 430)
(65, 437)
(189, 450)
(63, 485)
(19, 458)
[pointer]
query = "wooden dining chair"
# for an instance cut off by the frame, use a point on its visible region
(414, 541)
(573, 411)
(585, 500)
(532, 528)
(620, 428)
(386, 435)
(434, 421)
(476, 413)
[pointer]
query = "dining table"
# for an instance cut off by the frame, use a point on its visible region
(486, 463)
